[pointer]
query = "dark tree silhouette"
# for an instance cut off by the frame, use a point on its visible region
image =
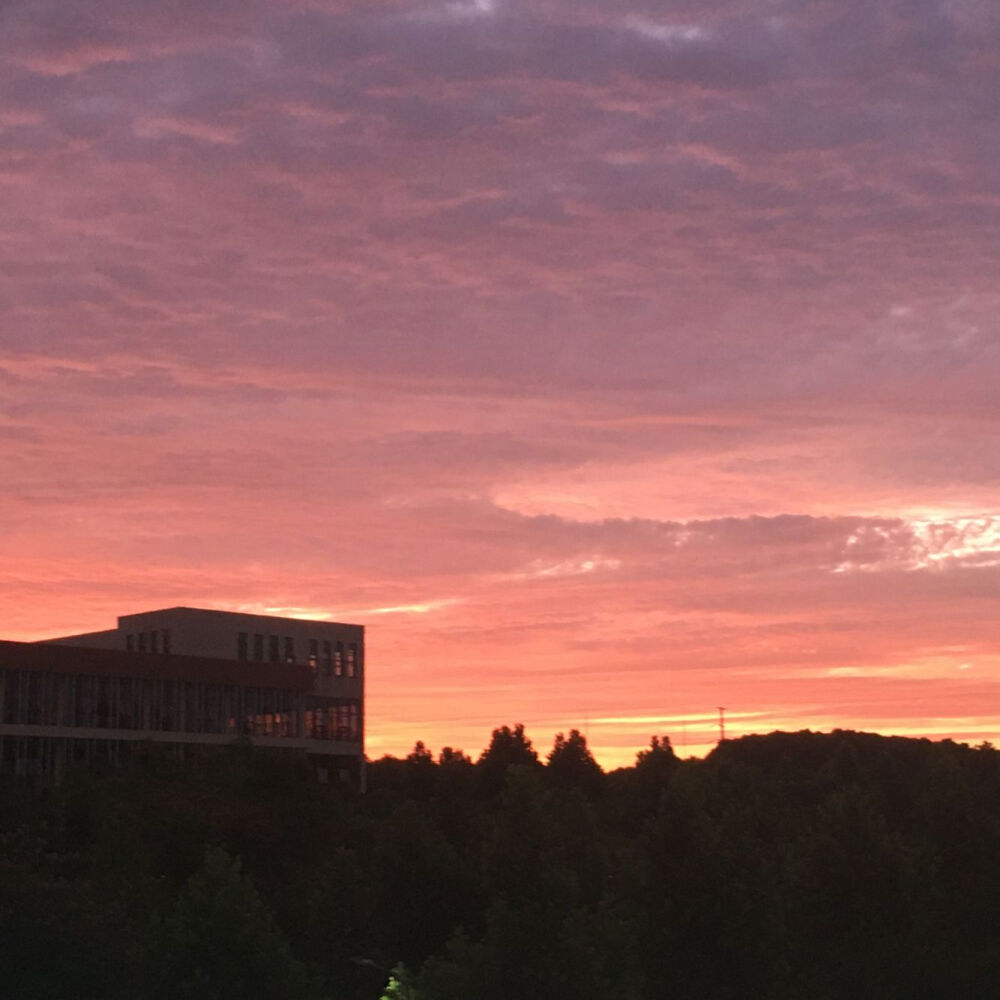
(508, 748)
(571, 764)
(221, 943)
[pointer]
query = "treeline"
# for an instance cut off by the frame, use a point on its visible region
(787, 866)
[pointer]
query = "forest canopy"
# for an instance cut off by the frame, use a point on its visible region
(841, 865)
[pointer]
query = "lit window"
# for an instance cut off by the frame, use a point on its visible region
(338, 659)
(352, 660)
(313, 653)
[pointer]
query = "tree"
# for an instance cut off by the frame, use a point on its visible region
(571, 764)
(508, 748)
(54, 937)
(220, 943)
(420, 755)
(450, 757)
(400, 985)
(656, 766)
(419, 885)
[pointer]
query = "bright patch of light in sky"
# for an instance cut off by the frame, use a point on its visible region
(282, 611)
(422, 608)
(570, 567)
(671, 35)
(960, 539)
(469, 8)
(924, 543)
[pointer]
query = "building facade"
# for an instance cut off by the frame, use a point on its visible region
(187, 678)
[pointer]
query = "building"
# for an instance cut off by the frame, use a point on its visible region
(186, 678)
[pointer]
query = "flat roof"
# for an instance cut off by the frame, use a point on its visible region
(239, 614)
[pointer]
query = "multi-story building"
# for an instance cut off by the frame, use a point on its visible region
(187, 678)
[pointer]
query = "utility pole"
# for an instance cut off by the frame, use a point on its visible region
(722, 724)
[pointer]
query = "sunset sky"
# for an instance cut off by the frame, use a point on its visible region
(610, 362)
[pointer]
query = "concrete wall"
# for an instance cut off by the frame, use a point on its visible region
(109, 639)
(216, 634)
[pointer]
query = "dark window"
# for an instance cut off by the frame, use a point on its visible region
(289, 649)
(142, 642)
(313, 652)
(327, 658)
(258, 646)
(84, 715)
(242, 650)
(166, 640)
(125, 716)
(168, 718)
(130, 643)
(192, 717)
(272, 649)
(154, 641)
(104, 696)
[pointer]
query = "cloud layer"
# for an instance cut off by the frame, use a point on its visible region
(598, 357)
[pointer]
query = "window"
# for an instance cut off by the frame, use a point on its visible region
(130, 643)
(327, 658)
(166, 640)
(242, 650)
(352, 660)
(142, 642)
(192, 716)
(289, 649)
(313, 653)
(258, 647)
(338, 659)
(168, 706)
(154, 641)
(84, 714)
(272, 649)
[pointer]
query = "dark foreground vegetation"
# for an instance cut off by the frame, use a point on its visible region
(787, 866)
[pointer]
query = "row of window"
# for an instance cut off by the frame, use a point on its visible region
(44, 757)
(101, 702)
(330, 658)
(154, 641)
(339, 721)
(33, 756)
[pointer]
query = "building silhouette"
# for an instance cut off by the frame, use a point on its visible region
(188, 679)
